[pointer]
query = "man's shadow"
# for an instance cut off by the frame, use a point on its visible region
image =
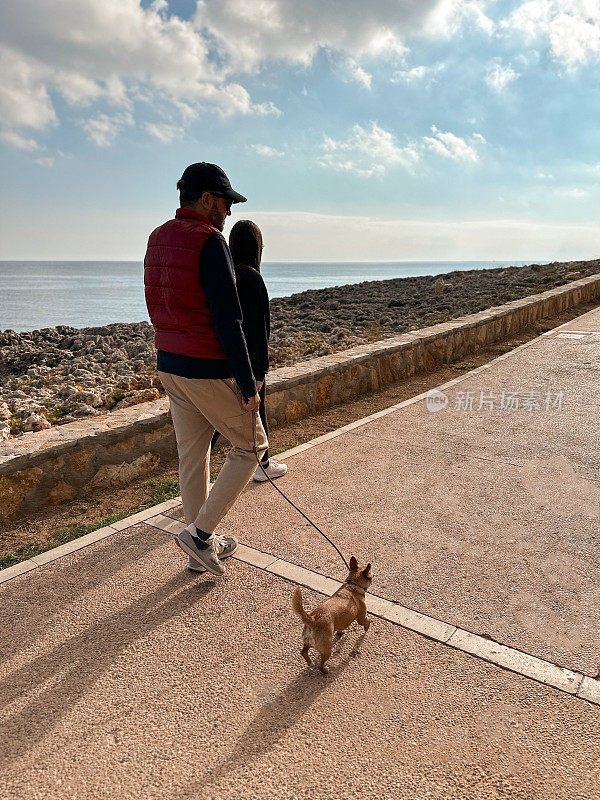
(34, 603)
(276, 717)
(74, 666)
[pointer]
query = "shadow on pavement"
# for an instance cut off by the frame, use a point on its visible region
(276, 717)
(35, 599)
(77, 664)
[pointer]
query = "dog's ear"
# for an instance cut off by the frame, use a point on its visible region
(366, 571)
(353, 563)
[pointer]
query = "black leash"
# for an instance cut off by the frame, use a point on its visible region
(324, 535)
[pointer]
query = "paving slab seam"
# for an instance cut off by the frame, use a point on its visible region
(510, 658)
(77, 544)
(438, 449)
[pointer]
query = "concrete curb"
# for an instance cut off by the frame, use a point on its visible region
(84, 541)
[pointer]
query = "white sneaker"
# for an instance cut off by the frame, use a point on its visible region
(274, 470)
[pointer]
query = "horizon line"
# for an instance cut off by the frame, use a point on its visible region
(340, 261)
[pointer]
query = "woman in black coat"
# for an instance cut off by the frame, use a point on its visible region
(246, 245)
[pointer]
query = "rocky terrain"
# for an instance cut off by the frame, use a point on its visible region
(56, 375)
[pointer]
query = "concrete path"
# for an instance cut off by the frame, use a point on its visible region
(123, 676)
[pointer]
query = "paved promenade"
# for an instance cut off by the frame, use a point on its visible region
(124, 676)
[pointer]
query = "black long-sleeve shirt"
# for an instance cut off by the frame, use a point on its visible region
(216, 273)
(256, 318)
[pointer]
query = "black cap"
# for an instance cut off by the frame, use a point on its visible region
(205, 177)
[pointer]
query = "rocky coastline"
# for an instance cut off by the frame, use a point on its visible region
(57, 375)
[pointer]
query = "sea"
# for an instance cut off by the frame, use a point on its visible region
(43, 294)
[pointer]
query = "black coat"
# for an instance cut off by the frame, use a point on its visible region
(246, 245)
(256, 319)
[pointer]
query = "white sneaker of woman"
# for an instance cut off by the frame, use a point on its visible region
(274, 469)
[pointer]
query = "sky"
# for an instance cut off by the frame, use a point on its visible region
(388, 130)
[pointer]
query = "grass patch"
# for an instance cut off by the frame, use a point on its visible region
(162, 489)
(54, 413)
(16, 422)
(466, 366)
(12, 557)
(312, 344)
(288, 446)
(114, 397)
(68, 534)
(62, 536)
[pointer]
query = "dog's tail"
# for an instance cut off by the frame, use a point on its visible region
(299, 608)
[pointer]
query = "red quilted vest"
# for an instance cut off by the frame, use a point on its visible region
(175, 299)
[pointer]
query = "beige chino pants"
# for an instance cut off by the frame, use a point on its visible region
(198, 406)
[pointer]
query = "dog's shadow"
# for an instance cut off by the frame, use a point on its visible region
(280, 714)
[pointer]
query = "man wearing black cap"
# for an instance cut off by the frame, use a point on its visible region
(202, 357)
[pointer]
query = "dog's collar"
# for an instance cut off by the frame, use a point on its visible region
(353, 583)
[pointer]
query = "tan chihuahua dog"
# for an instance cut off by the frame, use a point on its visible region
(335, 614)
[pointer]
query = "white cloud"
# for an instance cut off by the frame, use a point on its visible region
(122, 54)
(450, 146)
(371, 151)
(266, 109)
(251, 34)
(367, 152)
(571, 27)
(572, 192)
(45, 161)
(78, 90)
(449, 16)
(114, 51)
(356, 73)
(499, 77)
(20, 142)
(28, 145)
(421, 73)
(24, 98)
(103, 129)
(265, 150)
(163, 132)
(409, 75)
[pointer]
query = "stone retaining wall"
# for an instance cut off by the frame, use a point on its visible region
(64, 462)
